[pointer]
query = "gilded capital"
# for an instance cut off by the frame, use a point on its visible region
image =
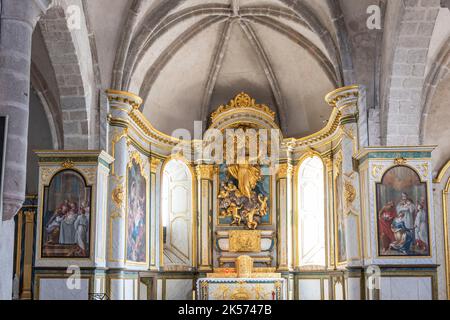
(154, 165)
(285, 170)
(205, 171)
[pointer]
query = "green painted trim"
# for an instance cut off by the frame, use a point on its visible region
(396, 155)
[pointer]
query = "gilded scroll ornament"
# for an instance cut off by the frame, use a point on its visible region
(118, 196)
(68, 164)
(47, 174)
(400, 161)
(243, 101)
(349, 195)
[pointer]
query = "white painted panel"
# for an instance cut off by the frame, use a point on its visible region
(57, 289)
(338, 292)
(326, 290)
(353, 289)
(142, 291)
(309, 289)
(406, 288)
(130, 289)
(179, 289)
(117, 288)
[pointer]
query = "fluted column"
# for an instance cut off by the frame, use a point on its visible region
(18, 19)
(121, 103)
(346, 100)
(285, 219)
(205, 176)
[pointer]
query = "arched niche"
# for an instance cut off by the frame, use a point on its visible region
(177, 215)
(310, 210)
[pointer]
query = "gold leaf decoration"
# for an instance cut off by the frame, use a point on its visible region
(243, 101)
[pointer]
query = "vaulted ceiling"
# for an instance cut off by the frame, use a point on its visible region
(185, 58)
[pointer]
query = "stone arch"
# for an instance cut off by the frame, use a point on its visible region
(71, 64)
(402, 91)
(439, 70)
(51, 106)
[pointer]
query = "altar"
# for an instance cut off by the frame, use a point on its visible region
(242, 283)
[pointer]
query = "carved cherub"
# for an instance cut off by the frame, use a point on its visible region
(233, 210)
(250, 215)
(263, 205)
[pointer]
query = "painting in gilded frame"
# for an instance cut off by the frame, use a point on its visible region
(260, 197)
(402, 214)
(136, 222)
(66, 217)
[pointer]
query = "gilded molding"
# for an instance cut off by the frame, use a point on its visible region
(125, 97)
(242, 102)
(339, 96)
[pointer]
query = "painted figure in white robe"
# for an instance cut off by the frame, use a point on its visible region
(82, 229)
(421, 228)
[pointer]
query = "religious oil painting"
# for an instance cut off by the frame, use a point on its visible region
(66, 217)
(244, 196)
(402, 214)
(137, 214)
(340, 221)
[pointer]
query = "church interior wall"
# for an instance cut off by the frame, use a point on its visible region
(183, 60)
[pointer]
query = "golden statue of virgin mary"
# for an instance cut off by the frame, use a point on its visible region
(247, 176)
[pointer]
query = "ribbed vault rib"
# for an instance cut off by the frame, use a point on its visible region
(306, 13)
(177, 44)
(216, 65)
(151, 32)
(343, 42)
(274, 12)
(268, 70)
(124, 43)
(152, 20)
(298, 38)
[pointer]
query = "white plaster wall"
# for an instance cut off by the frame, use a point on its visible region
(57, 289)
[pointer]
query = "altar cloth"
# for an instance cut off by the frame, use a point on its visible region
(241, 289)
